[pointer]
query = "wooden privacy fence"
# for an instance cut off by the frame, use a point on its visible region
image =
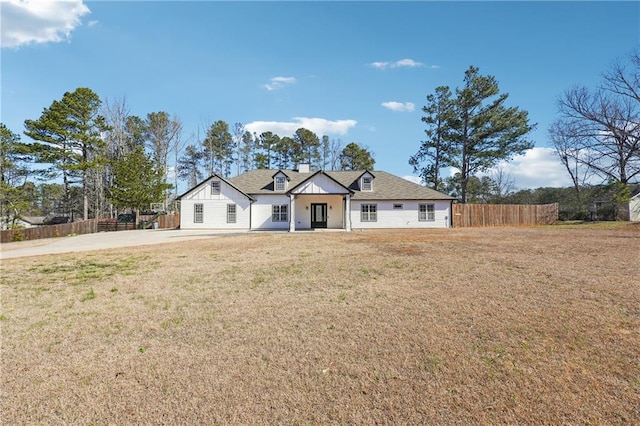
(169, 221)
(49, 231)
(478, 215)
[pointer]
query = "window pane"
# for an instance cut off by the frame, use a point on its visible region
(422, 212)
(231, 213)
(279, 213)
(198, 213)
(215, 187)
(366, 183)
(368, 213)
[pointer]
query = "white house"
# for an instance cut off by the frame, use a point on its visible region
(300, 199)
(634, 208)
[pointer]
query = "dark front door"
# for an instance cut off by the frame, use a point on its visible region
(318, 215)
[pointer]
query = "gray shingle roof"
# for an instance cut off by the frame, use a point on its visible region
(385, 185)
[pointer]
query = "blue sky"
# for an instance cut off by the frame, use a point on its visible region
(356, 71)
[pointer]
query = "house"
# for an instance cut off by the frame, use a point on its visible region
(634, 207)
(31, 221)
(302, 199)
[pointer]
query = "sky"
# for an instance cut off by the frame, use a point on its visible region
(355, 71)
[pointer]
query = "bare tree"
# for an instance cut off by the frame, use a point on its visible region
(242, 147)
(335, 150)
(573, 156)
(162, 134)
(502, 182)
(600, 128)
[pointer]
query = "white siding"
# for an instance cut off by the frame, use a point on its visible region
(261, 211)
(214, 208)
(320, 184)
(634, 209)
(407, 217)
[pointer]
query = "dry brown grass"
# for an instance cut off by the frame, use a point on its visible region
(513, 325)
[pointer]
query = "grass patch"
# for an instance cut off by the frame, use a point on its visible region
(456, 326)
(90, 295)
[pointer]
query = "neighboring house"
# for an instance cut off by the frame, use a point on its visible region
(634, 207)
(30, 221)
(300, 199)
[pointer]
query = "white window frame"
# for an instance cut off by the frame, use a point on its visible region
(279, 213)
(367, 183)
(232, 213)
(215, 187)
(198, 213)
(426, 212)
(280, 183)
(368, 212)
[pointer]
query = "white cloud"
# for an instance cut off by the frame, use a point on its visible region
(279, 82)
(92, 23)
(414, 179)
(402, 63)
(399, 106)
(537, 168)
(319, 126)
(24, 22)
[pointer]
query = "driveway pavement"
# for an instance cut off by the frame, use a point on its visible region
(103, 240)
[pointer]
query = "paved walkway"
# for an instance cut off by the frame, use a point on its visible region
(103, 240)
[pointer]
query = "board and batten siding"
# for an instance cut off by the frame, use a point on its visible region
(320, 184)
(407, 217)
(214, 207)
(261, 211)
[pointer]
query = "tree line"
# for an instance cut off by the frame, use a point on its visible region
(85, 158)
(470, 129)
(226, 152)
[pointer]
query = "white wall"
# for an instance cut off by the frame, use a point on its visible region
(405, 218)
(215, 208)
(261, 211)
(335, 215)
(634, 209)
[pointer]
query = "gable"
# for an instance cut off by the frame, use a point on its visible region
(319, 183)
(214, 188)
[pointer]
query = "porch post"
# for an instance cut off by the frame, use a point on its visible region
(347, 212)
(292, 213)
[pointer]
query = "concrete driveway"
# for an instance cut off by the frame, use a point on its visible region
(104, 240)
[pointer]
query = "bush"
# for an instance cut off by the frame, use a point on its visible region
(17, 235)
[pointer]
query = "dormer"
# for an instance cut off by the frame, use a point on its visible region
(366, 182)
(280, 181)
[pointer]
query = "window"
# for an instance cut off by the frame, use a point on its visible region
(369, 212)
(279, 213)
(426, 212)
(397, 206)
(366, 183)
(198, 213)
(215, 187)
(231, 213)
(280, 183)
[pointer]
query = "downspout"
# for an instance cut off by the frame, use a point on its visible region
(450, 213)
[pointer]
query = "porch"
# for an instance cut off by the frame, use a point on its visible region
(319, 212)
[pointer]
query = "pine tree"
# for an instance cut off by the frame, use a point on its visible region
(68, 136)
(354, 157)
(435, 153)
(137, 182)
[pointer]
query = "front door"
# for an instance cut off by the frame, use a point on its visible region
(318, 216)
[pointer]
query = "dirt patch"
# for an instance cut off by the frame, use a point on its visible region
(519, 325)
